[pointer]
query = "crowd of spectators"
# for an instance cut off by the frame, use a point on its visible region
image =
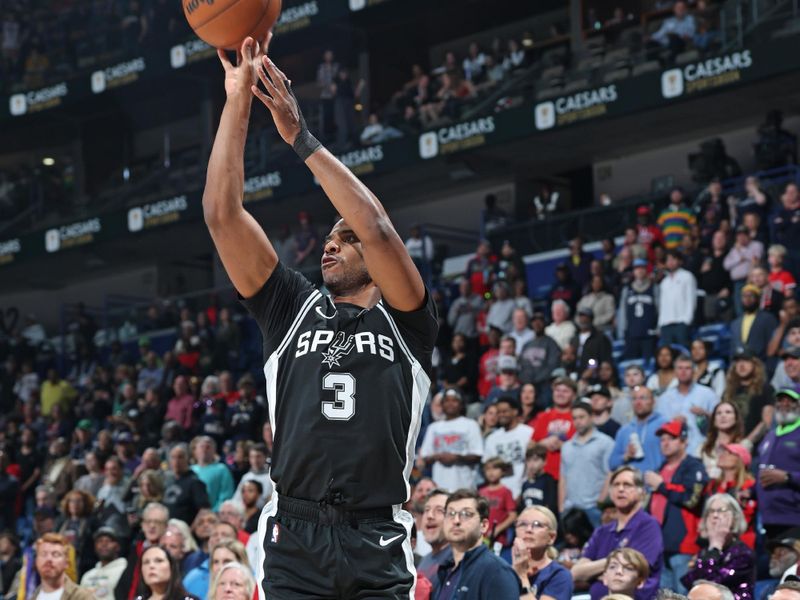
(537, 469)
(43, 40)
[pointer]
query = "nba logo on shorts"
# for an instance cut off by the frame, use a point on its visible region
(135, 219)
(545, 115)
(98, 82)
(428, 145)
(672, 83)
(276, 534)
(177, 56)
(18, 105)
(357, 5)
(52, 240)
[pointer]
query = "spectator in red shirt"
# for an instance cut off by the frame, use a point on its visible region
(179, 408)
(780, 279)
(502, 508)
(554, 426)
(648, 234)
(480, 268)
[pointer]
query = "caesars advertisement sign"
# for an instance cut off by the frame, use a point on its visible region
(72, 235)
(706, 74)
(461, 136)
(156, 213)
(572, 108)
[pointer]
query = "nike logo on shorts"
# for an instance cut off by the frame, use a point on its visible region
(384, 542)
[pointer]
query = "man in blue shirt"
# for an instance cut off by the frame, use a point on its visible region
(674, 33)
(474, 573)
(645, 424)
(689, 401)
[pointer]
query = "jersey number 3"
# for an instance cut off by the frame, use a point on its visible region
(343, 407)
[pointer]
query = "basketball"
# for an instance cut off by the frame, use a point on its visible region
(225, 23)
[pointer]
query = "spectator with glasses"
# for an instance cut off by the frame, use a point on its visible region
(473, 567)
(533, 553)
(626, 571)
(727, 560)
(633, 528)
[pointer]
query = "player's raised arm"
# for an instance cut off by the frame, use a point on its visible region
(242, 244)
(385, 255)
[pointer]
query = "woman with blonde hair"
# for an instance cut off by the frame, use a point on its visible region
(727, 560)
(626, 571)
(151, 489)
(233, 581)
(224, 552)
(533, 553)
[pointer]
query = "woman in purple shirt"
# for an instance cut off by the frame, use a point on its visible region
(727, 560)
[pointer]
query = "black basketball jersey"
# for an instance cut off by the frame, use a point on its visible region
(346, 387)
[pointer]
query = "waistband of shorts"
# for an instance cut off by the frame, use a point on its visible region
(330, 514)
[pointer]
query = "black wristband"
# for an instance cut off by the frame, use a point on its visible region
(305, 144)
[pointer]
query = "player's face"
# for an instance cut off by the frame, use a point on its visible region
(343, 268)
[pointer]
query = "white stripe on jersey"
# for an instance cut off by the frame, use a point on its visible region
(269, 510)
(406, 520)
(271, 366)
(420, 386)
(312, 298)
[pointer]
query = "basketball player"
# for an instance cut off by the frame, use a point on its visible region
(346, 372)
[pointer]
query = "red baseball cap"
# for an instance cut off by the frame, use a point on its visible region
(739, 451)
(643, 210)
(676, 428)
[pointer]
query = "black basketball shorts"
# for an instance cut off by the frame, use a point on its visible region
(312, 551)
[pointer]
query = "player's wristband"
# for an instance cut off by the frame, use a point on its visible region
(305, 144)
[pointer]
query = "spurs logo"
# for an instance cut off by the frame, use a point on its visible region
(340, 348)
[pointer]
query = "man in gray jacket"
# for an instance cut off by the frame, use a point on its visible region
(537, 359)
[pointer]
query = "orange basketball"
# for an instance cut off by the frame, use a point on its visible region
(225, 23)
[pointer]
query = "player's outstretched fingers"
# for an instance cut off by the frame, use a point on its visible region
(265, 99)
(267, 79)
(223, 58)
(275, 74)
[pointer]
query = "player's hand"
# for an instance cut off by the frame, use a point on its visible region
(242, 75)
(279, 99)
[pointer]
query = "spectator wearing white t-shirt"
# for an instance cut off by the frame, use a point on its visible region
(452, 447)
(510, 442)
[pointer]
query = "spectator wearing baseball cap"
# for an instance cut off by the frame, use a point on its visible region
(784, 555)
(593, 346)
(600, 399)
(676, 501)
(735, 479)
(103, 578)
(787, 373)
(508, 380)
(778, 487)
(753, 329)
